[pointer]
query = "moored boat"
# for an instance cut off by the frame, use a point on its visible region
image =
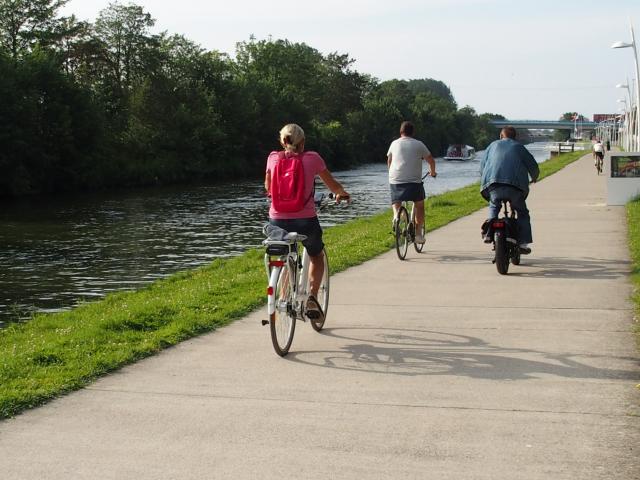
(460, 152)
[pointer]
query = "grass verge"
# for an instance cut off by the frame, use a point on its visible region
(53, 354)
(633, 229)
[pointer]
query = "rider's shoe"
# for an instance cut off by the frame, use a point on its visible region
(487, 239)
(524, 249)
(313, 310)
(419, 238)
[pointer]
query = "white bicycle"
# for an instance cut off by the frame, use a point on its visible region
(288, 290)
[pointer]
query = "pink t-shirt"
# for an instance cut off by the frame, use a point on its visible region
(313, 164)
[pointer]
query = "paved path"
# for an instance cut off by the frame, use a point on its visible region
(434, 368)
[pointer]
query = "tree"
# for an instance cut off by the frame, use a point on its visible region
(49, 127)
(25, 23)
(123, 33)
(429, 85)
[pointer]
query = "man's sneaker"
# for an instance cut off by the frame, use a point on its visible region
(419, 237)
(524, 249)
(487, 239)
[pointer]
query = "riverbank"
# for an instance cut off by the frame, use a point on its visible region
(57, 353)
(57, 252)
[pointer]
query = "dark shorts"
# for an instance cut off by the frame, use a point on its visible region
(600, 155)
(306, 226)
(406, 192)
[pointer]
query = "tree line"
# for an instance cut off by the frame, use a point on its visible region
(109, 103)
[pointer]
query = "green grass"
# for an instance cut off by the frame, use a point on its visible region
(633, 228)
(57, 353)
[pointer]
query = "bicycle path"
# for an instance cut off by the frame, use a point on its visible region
(432, 368)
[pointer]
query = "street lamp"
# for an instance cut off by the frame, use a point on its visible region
(635, 55)
(625, 85)
(624, 124)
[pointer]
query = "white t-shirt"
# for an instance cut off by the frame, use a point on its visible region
(597, 147)
(406, 160)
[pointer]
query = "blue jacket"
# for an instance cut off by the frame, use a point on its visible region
(507, 162)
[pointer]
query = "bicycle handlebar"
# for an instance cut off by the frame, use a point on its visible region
(320, 199)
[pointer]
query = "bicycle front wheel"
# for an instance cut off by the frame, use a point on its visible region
(282, 322)
(323, 296)
(402, 233)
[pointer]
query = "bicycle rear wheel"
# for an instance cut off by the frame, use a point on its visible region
(282, 322)
(323, 296)
(402, 233)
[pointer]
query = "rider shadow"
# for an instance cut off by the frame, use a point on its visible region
(553, 267)
(582, 268)
(430, 354)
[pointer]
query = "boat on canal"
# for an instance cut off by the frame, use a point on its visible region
(460, 152)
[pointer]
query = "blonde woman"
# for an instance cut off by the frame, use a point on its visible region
(305, 219)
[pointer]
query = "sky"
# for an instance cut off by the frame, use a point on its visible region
(524, 60)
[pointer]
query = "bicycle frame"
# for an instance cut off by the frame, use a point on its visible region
(300, 270)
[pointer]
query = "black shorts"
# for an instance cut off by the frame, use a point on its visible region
(306, 226)
(406, 192)
(600, 155)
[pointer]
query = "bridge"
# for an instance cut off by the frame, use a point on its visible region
(545, 124)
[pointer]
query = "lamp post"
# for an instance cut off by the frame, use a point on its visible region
(626, 86)
(635, 56)
(625, 141)
(625, 129)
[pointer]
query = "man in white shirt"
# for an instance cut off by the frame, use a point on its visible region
(404, 160)
(598, 151)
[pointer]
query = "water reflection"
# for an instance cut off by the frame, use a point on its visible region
(59, 251)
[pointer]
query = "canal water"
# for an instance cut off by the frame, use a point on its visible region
(55, 252)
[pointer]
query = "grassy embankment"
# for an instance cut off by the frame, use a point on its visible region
(56, 353)
(633, 225)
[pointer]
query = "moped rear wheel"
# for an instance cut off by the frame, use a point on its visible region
(502, 256)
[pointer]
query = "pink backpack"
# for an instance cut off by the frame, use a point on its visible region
(287, 184)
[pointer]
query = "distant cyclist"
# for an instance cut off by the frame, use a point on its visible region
(598, 152)
(404, 160)
(506, 168)
(292, 205)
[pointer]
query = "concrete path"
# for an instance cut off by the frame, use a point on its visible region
(434, 368)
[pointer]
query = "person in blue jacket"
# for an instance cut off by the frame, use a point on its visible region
(506, 169)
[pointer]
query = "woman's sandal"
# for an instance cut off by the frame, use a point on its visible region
(314, 310)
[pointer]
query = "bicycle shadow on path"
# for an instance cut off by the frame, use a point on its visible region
(412, 352)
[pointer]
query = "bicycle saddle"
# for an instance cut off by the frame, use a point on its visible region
(277, 234)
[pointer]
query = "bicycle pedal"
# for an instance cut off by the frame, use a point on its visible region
(264, 322)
